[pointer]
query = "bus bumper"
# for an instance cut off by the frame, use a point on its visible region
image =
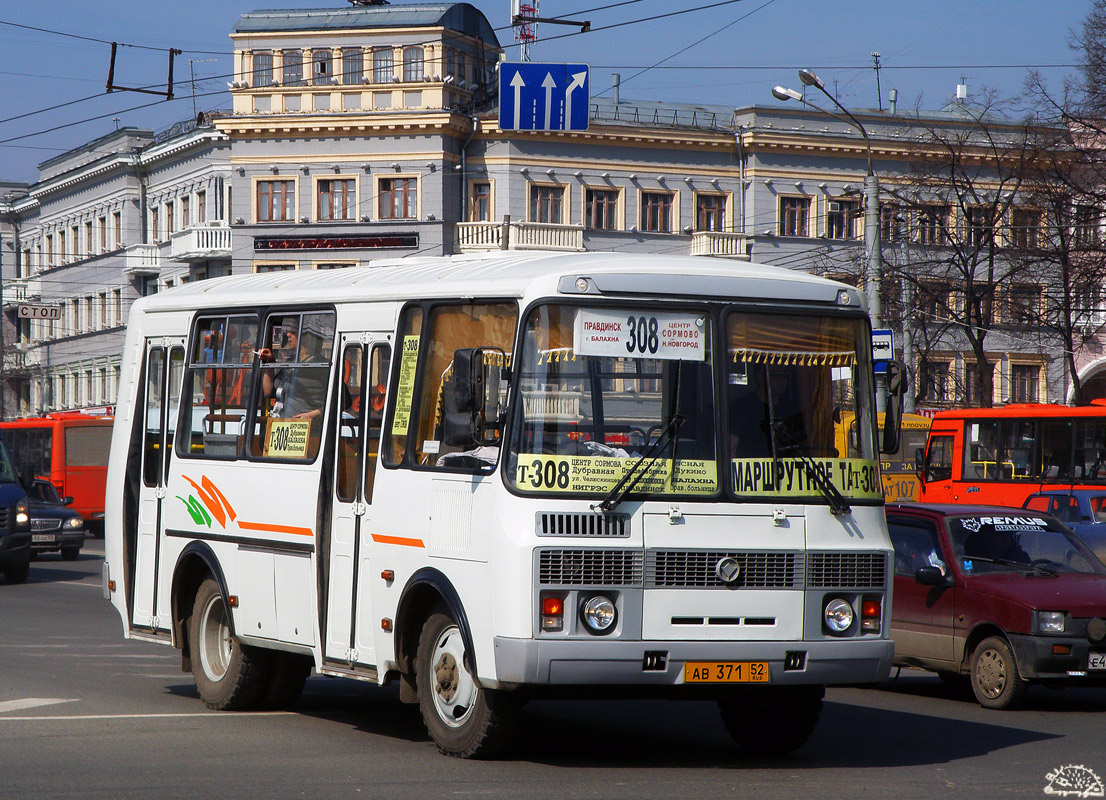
(661, 663)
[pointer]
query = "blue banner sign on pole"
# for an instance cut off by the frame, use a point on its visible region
(543, 97)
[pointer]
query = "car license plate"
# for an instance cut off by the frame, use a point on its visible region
(47, 538)
(726, 672)
(1097, 661)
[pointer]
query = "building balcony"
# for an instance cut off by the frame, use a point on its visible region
(719, 243)
(21, 290)
(476, 236)
(141, 259)
(201, 243)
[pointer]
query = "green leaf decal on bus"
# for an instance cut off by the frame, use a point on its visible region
(196, 511)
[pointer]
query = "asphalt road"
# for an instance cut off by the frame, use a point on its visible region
(85, 713)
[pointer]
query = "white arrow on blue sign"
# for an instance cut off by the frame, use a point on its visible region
(543, 97)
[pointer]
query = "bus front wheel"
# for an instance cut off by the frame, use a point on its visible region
(772, 721)
(229, 675)
(463, 719)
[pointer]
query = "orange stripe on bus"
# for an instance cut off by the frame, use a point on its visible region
(398, 540)
(262, 526)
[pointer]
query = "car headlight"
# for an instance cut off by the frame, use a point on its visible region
(599, 613)
(22, 518)
(839, 615)
(1051, 621)
(74, 523)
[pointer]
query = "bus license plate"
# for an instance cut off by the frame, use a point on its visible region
(726, 672)
(1097, 661)
(42, 537)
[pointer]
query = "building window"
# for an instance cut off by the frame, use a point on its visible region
(1025, 224)
(185, 212)
(841, 216)
(710, 212)
(155, 224)
(412, 64)
(276, 201)
(89, 246)
(25, 264)
(481, 205)
(117, 228)
(934, 301)
(1087, 222)
(980, 226)
(353, 66)
(1024, 383)
(336, 265)
(292, 71)
(337, 199)
(934, 381)
(263, 69)
(383, 71)
(322, 70)
(546, 204)
(794, 216)
(201, 207)
(890, 223)
(398, 198)
(971, 384)
(102, 230)
(273, 267)
(932, 225)
(656, 212)
(116, 306)
(49, 250)
(601, 209)
(1024, 305)
(169, 220)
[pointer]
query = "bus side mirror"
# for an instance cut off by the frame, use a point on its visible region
(896, 381)
(920, 464)
(26, 477)
(475, 387)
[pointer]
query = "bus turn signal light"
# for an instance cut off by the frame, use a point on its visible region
(870, 615)
(552, 613)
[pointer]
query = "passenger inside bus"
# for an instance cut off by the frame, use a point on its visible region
(298, 393)
(768, 398)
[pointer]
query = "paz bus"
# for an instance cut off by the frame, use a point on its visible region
(70, 449)
(502, 477)
(898, 470)
(1000, 456)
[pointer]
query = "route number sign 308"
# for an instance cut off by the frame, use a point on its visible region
(644, 335)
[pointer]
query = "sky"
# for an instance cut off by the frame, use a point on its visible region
(52, 82)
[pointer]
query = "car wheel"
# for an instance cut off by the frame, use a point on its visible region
(772, 720)
(995, 679)
(70, 553)
(17, 573)
(229, 675)
(463, 718)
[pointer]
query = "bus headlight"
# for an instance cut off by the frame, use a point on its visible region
(838, 615)
(22, 518)
(598, 613)
(73, 523)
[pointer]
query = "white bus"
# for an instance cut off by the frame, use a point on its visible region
(502, 477)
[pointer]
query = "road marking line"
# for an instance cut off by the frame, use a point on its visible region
(32, 702)
(208, 714)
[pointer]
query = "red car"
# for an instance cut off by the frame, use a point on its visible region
(1007, 596)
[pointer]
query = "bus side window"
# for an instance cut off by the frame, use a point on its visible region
(373, 399)
(218, 384)
(939, 459)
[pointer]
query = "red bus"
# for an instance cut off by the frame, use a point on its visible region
(999, 456)
(71, 450)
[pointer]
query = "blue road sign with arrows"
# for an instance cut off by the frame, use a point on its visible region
(543, 97)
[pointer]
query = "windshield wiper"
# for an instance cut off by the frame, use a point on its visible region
(1007, 562)
(837, 503)
(634, 474)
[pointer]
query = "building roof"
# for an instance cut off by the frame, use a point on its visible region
(461, 17)
(509, 275)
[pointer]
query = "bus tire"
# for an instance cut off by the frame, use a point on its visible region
(287, 674)
(773, 720)
(464, 719)
(995, 679)
(229, 675)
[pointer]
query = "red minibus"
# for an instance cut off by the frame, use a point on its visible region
(1000, 456)
(71, 450)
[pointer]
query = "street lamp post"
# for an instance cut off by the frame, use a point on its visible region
(872, 249)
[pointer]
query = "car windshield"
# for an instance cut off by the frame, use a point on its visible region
(43, 492)
(617, 401)
(1018, 543)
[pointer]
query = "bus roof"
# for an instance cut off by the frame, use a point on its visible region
(1025, 411)
(507, 275)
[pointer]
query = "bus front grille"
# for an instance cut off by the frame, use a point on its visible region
(608, 567)
(846, 570)
(679, 569)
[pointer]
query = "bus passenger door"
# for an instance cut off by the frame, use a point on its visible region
(359, 414)
(164, 372)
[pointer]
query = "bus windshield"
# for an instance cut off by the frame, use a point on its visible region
(7, 474)
(605, 391)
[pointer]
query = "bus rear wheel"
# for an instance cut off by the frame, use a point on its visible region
(773, 720)
(464, 719)
(229, 675)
